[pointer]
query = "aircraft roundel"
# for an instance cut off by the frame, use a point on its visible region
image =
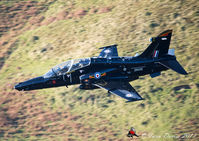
(129, 95)
(97, 75)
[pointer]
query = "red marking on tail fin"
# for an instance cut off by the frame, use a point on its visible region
(165, 34)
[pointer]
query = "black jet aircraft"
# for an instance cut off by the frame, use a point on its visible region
(110, 71)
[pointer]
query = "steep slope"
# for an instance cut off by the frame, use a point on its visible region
(58, 30)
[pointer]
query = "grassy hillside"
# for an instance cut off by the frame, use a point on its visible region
(36, 35)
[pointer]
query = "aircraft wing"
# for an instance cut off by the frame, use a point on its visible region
(122, 89)
(108, 51)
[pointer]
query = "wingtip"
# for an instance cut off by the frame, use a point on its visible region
(183, 72)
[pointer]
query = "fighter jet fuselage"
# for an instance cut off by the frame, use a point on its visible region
(109, 71)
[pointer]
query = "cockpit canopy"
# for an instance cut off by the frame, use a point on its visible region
(67, 67)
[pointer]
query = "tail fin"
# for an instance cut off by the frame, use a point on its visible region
(159, 45)
(174, 65)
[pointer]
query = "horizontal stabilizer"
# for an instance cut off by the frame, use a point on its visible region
(174, 65)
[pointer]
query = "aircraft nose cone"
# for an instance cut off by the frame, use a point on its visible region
(35, 83)
(18, 87)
